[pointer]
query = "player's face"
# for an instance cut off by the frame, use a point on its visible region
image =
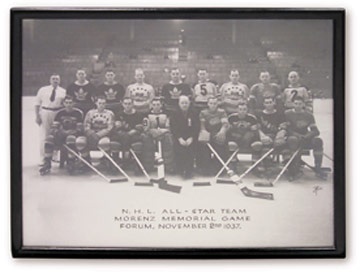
(109, 76)
(100, 104)
(81, 75)
(293, 78)
(269, 104)
(68, 104)
(202, 74)
(265, 77)
(175, 75)
(242, 110)
(234, 77)
(156, 106)
(184, 104)
(128, 105)
(55, 80)
(212, 104)
(139, 77)
(299, 105)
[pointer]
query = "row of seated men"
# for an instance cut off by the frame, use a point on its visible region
(184, 130)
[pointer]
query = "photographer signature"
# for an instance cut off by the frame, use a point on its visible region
(316, 189)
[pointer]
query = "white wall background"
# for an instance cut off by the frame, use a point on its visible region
(353, 178)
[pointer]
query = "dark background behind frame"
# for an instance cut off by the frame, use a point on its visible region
(339, 134)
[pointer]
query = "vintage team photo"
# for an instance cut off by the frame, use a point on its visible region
(177, 133)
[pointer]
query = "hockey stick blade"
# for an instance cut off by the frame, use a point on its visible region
(147, 184)
(196, 184)
(114, 180)
(256, 194)
(225, 181)
(263, 184)
(168, 187)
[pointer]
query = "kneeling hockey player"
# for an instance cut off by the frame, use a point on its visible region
(304, 134)
(66, 127)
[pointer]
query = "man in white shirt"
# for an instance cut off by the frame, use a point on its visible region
(49, 100)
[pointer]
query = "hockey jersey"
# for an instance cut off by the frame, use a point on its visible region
(171, 93)
(232, 95)
(99, 121)
(299, 122)
(240, 125)
(213, 121)
(141, 94)
(202, 92)
(69, 119)
(270, 122)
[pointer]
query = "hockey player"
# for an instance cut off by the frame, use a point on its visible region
(49, 100)
(140, 92)
(112, 91)
(98, 125)
(128, 130)
(185, 125)
(82, 91)
(173, 90)
(157, 128)
(303, 132)
(202, 90)
(233, 93)
(213, 126)
(295, 89)
(66, 127)
(262, 90)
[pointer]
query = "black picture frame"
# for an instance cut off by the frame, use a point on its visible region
(21, 251)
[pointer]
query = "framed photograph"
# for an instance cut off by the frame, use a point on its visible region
(177, 133)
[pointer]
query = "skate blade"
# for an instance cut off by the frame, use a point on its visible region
(256, 194)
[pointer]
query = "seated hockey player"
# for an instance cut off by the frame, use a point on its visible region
(213, 126)
(66, 127)
(262, 90)
(128, 131)
(244, 132)
(304, 134)
(112, 91)
(185, 125)
(233, 93)
(98, 124)
(157, 128)
(296, 89)
(202, 90)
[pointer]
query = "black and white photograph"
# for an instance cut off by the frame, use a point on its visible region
(178, 132)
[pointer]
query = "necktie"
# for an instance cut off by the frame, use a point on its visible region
(53, 93)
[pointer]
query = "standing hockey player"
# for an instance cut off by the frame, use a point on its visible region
(82, 91)
(49, 100)
(98, 124)
(262, 90)
(185, 126)
(112, 91)
(157, 128)
(128, 130)
(295, 89)
(140, 92)
(233, 93)
(213, 126)
(173, 90)
(66, 127)
(303, 133)
(202, 90)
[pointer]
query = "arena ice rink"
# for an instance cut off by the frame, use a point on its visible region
(79, 211)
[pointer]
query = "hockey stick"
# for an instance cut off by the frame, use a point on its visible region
(111, 180)
(114, 163)
(271, 184)
(324, 169)
(328, 157)
(227, 163)
(233, 176)
(142, 169)
(161, 181)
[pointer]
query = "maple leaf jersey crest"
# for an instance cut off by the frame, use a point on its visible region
(110, 94)
(175, 93)
(81, 94)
